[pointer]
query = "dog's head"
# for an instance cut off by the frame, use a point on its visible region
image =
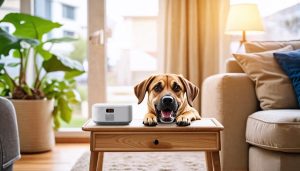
(168, 94)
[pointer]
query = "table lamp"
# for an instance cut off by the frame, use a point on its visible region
(242, 18)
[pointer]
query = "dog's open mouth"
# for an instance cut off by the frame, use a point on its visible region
(166, 115)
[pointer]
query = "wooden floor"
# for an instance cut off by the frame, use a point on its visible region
(61, 158)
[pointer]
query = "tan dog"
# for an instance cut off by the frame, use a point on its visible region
(170, 97)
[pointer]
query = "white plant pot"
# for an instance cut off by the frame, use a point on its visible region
(35, 125)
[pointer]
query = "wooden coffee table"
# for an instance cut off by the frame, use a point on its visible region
(201, 135)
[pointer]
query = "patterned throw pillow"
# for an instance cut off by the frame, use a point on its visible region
(290, 63)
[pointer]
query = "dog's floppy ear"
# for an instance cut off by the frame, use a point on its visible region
(141, 89)
(191, 90)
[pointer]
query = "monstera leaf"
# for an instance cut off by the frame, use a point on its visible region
(1, 2)
(46, 53)
(9, 42)
(71, 67)
(29, 26)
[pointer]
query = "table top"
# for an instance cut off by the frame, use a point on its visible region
(136, 125)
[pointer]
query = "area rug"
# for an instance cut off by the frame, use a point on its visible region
(143, 161)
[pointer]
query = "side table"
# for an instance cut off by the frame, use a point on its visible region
(201, 135)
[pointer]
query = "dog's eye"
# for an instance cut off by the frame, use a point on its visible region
(176, 87)
(157, 87)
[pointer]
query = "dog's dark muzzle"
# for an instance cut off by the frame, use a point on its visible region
(166, 109)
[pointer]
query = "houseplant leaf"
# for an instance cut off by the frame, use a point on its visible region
(6, 81)
(72, 74)
(65, 110)
(1, 2)
(5, 84)
(64, 94)
(56, 118)
(9, 42)
(56, 63)
(4, 91)
(2, 66)
(44, 53)
(4, 78)
(16, 54)
(28, 26)
(73, 96)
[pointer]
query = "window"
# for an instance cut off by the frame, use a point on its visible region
(76, 50)
(130, 54)
(281, 20)
(68, 33)
(43, 8)
(68, 11)
(131, 46)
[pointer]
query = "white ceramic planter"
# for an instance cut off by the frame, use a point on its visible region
(35, 125)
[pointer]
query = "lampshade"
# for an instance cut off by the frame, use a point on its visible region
(244, 17)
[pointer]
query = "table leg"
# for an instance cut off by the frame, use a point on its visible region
(100, 161)
(209, 164)
(216, 161)
(93, 160)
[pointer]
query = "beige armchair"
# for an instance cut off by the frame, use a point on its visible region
(230, 98)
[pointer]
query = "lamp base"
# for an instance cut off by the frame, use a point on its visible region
(242, 41)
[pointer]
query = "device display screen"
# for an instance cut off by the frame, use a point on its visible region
(109, 110)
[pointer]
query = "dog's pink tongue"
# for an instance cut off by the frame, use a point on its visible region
(166, 114)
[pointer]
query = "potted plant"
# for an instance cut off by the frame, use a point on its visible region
(46, 98)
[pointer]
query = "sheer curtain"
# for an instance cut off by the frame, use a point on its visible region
(192, 41)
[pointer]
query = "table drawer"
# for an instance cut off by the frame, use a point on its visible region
(162, 141)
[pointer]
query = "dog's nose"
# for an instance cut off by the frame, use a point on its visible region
(167, 100)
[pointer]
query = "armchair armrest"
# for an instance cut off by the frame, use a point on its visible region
(230, 98)
(9, 138)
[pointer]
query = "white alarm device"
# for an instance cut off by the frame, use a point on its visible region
(112, 114)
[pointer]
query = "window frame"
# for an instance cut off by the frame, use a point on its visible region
(68, 33)
(66, 9)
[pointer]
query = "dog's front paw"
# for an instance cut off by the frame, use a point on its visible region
(183, 121)
(150, 119)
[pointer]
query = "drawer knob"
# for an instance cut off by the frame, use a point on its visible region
(155, 142)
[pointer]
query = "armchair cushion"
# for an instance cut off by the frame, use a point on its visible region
(277, 130)
(273, 87)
